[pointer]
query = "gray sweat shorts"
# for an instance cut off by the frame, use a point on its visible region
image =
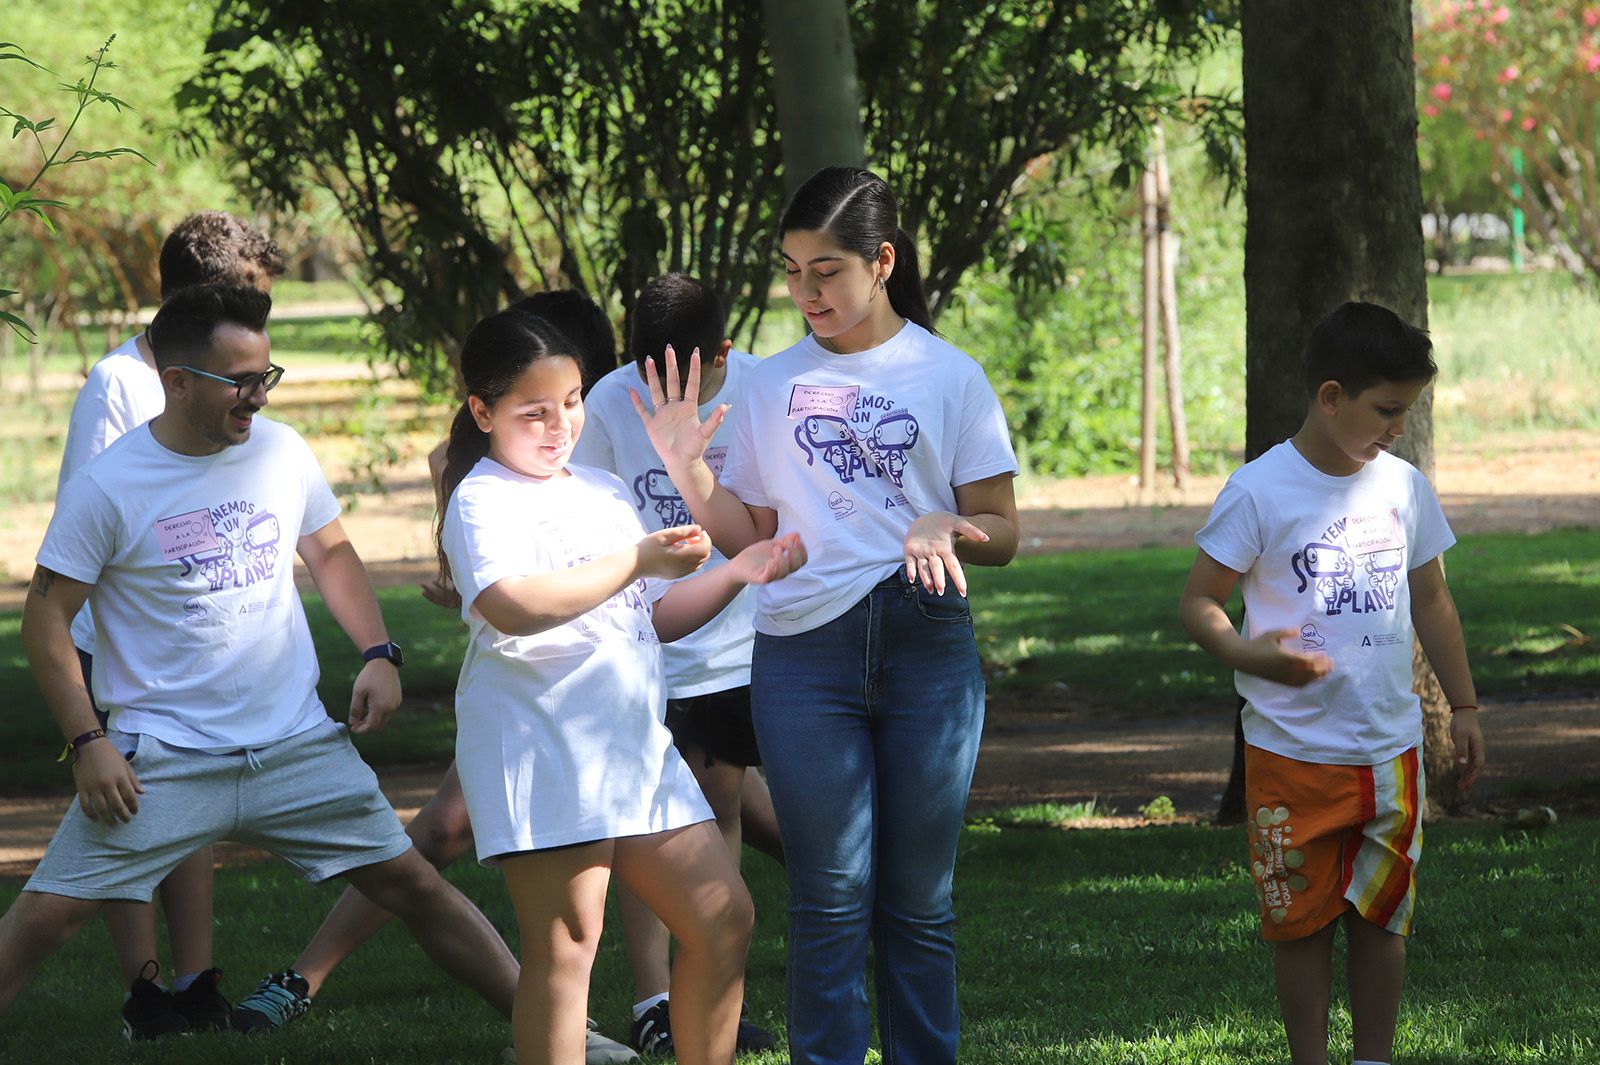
(308, 799)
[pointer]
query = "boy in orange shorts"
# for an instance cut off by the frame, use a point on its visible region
(1336, 546)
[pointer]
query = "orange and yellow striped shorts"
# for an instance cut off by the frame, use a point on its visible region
(1327, 838)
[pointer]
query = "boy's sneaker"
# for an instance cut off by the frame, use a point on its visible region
(752, 1036)
(202, 1004)
(652, 1032)
(148, 1012)
(598, 1050)
(277, 1000)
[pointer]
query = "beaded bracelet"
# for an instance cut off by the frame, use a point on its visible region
(72, 747)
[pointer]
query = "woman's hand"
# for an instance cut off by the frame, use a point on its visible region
(673, 418)
(766, 561)
(930, 550)
(672, 553)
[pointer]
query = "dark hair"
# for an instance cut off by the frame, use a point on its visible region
(582, 321)
(183, 327)
(496, 352)
(855, 209)
(679, 310)
(207, 248)
(1362, 344)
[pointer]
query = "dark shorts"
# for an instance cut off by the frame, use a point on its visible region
(718, 723)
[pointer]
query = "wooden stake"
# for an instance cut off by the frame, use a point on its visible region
(1152, 312)
(1167, 243)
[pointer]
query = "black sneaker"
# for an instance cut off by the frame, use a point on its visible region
(277, 1000)
(148, 1013)
(202, 1004)
(752, 1036)
(652, 1032)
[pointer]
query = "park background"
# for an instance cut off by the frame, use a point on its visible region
(525, 171)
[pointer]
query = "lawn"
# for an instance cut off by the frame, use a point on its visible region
(1101, 623)
(1076, 947)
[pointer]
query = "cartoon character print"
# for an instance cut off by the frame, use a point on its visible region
(1355, 565)
(891, 441)
(654, 490)
(239, 549)
(829, 437)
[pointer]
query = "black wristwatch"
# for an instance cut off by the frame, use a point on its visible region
(390, 650)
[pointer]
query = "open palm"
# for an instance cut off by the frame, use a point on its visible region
(672, 420)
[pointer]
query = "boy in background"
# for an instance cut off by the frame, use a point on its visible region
(1336, 544)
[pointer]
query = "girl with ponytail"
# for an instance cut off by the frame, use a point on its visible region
(569, 774)
(886, 449)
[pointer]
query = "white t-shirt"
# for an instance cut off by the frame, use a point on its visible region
(716, 657)
(850, 450)
(204, 643)
(122, 391)
(1329, 557)
(559, 735)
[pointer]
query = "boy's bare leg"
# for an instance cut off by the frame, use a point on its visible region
(688, 877)
(1377, 973)
(1304, 972)
(447, 926)
(441, 833)
(560, 898)
(34, 928)
(758, 821)
(133, 936)
(187, 897)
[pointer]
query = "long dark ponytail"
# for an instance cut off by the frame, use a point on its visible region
(856, 210)
(496, 352)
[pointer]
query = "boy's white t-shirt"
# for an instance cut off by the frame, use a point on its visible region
(850, 450)
(1328, 557)
(559, 735)
(204, 643)
(716, 657)
(122, 391)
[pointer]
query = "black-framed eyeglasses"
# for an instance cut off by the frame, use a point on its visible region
(245, 383)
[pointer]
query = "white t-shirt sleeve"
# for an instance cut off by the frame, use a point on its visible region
(1232, 534)
(1432, 536)
(983, 443)
(484, 547)
(82, 536)
(321, 506)
(740, 473)
(594, 446)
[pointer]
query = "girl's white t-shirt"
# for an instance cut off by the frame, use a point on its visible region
(715, 657)
(559, 735)
(1328, 557)
(850, 450)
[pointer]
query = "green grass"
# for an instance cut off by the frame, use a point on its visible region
(1102, 624)
(1091, 947)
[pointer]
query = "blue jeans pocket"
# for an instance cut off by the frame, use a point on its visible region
(952, 606)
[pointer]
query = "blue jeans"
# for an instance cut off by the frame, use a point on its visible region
(869, 728)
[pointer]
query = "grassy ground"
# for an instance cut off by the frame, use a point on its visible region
(1102, 623)
(1076, 947)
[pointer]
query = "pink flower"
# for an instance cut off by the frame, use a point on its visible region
(1504, 115)
(1480, 135)
(1500, 15)
(1509, 74)
(1444, 61)
(1442, 91)
(1528, 124)
(1431, 110)
(1489, 37)
(1593, 64)
(1591, 17)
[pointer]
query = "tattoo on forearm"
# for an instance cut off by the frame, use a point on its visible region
(42, 580)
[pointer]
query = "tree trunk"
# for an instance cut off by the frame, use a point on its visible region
(1333, 206)
(1167, 246)
(814, 87)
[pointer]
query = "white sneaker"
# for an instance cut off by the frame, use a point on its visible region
(597, 1049)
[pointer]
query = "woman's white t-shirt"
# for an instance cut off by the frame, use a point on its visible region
(850, 450)
(715, 657)
(559, 735)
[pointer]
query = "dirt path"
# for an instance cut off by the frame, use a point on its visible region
(1048, 750)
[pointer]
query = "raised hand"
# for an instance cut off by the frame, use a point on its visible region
(1267, 657)
(766, 561)
(930, 550)
(672, 420)
(674, 552)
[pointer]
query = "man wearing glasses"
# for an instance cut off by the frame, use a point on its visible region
(181, 535)
(123, 390)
